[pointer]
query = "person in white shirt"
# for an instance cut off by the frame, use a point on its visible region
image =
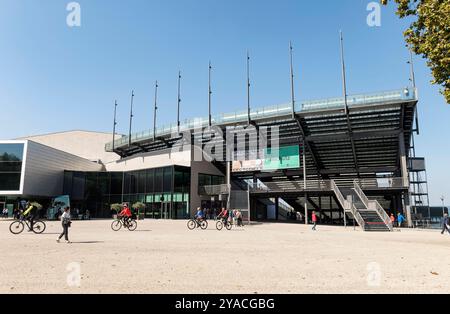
(66, 222)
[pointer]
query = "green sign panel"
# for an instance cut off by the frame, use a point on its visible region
(287, 157)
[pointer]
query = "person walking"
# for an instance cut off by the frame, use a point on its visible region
(5, 212)
(445, 224)
(400, 219)
(66, 222)
(16, 213)
(314, 219)
(392, 220)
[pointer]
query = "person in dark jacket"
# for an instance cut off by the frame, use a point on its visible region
(66, 222)
(445, 223)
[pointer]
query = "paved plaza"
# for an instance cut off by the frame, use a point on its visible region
(165, 257)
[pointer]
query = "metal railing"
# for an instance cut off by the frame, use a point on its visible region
(213, 190)
(408, 94)
(357, 216)
(344, 203)
(290, 186)
(362, 99)
(361, 194)
(381, 183)
(382, 213)
(373, 205)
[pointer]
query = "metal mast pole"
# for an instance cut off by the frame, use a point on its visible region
(344, 79)
(209, 95)
(155, 110)
(131, 118)
(413, 82)
(248, 87)
(292, 80)
(114, 126)
(305, 182)
(344, 88)
(179, 102)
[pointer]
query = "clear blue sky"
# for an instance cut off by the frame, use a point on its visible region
(55, 78)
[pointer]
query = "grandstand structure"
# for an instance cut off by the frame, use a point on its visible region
(350, 159)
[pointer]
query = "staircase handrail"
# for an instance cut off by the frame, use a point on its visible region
(382, 213)
(339, 195)
(361, 194)
(373, 204)
(358, 217)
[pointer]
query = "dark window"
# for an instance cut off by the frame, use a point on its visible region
(10, 166)
(133, 183)
(68, 178)
(78, 184)
(11, 152)
(178, 181)
(167, 180)
(141, 182)
(126, 183)
(206, 180)
(11, 156)
(116, 183)
(103, 182)
(92, 190)
(9, 181)
(159, 180)
(150, 184)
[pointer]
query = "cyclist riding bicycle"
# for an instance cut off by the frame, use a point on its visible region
(125, 213)
(223, 214)
(200, 216)
(29, 214)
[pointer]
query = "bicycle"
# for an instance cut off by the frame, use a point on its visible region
(18, 225)
(223, 222)
(194, 223)
(117, 224)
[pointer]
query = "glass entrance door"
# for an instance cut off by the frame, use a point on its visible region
(165, 209)
(157, 211)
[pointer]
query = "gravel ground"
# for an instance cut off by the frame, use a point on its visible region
(165, 257)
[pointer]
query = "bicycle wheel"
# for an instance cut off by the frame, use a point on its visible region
(116, 225)
(204, 225)
(229, 226)
(132, 225)
(192, 224)
(39, 226)
(16, 227)
(219, 225)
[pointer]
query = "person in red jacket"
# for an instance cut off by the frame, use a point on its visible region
(125, 213)
(314, 219)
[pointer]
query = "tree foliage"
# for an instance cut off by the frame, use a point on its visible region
(116, 207)
(429, 35)
(138, 206)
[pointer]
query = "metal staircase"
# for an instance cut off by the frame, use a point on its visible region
(369, 214)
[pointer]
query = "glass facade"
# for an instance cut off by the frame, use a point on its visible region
(164, 191)
(207, 179)
(11, 157)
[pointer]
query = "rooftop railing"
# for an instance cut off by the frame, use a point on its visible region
(407, 94)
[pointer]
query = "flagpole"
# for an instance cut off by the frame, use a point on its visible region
(155, 110)
(179, 102)
(114, 126)
(131, 118)
(344, 79)
(248, 87)
(209, 95)
(292, 80)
